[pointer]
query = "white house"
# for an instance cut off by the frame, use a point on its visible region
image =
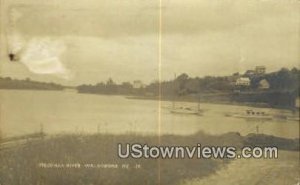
(263, 84)
(137, 84)
(243, 81)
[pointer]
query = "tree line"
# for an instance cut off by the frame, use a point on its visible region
(283, 80)
(9, 83)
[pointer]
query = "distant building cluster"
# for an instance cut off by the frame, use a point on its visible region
(245, 79)
(259, 70)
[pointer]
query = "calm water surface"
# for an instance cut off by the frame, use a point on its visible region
(23, 112)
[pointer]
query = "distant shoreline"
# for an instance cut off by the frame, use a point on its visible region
(11, 89)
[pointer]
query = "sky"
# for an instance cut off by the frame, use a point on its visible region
(88, 41)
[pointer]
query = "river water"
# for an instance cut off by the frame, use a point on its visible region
(56, 112)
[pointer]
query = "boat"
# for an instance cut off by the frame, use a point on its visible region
(293, 118)
(186, 110)
(252, 114)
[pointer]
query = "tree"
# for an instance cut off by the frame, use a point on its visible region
(110, 82)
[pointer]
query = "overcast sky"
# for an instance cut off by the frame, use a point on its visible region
(87, 41)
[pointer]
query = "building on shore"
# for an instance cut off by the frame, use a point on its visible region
(137, 84)
(243, 81)
(260, 70)
(263, 84)
(250, 72)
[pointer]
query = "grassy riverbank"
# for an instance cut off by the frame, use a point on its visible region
(20, 164)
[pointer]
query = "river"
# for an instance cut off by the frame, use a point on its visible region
(56, 112)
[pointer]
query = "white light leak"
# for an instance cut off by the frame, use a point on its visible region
(42, 56)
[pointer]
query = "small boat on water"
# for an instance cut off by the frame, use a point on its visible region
(251, 114)
(186, 110)
(293, 118)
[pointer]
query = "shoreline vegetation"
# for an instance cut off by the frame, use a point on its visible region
(19, 164)
(280, 90)
(28, 84)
